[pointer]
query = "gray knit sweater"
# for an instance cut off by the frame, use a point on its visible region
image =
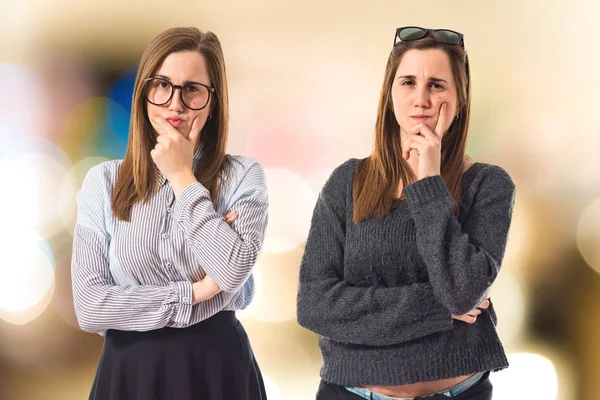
(381, 293)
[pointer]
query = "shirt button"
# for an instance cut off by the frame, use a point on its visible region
(164, 235)
(168, 265)
(185, 300)
(169, 209)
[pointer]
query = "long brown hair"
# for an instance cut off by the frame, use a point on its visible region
(137, 179)
(378, 176)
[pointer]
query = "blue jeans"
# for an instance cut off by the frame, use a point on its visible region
(454, 391)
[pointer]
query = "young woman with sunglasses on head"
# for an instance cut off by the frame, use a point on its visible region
(405, 244)
(166, 238)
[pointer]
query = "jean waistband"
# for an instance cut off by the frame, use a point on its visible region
(451, 392)
(466, 384)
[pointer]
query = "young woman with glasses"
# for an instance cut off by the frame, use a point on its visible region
(405, 244)
(166, 238)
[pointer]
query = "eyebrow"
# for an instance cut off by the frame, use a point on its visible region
(414, 77)
(169, 79)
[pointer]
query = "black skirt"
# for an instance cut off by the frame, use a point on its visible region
(211, 360)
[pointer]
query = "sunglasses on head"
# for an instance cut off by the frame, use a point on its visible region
(408, 33)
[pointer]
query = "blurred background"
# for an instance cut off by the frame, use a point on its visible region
(304, 81)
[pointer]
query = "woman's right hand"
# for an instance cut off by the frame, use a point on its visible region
(471, 316)
(230, 217)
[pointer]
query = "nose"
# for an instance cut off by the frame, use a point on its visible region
(176, 104)
(422, 98)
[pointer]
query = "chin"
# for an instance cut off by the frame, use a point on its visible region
(430, 124)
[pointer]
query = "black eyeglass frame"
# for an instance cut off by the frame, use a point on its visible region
(210, 89)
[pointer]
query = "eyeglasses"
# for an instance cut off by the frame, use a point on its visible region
(194, 96)
(408, 33)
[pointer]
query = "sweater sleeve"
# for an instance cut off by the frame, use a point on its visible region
(462, 260)
(333, 308)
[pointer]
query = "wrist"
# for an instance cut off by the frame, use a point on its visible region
(212, 287)
(428, 174)
(181, 181)
(204, 289)
(196, 292)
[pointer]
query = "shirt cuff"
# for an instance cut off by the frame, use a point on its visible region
(183, 306)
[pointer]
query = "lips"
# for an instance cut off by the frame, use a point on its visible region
(175, 121)
(420, 118)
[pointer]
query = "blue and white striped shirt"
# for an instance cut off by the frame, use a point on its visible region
(138, 275)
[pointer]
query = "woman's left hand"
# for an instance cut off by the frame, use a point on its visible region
(428, 145)
(472, 315)
(204, 289)
(173, 153)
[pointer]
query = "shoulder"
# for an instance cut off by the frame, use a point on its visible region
(338, 187)
(243, 175)
(94, 198)
(240, 169)
(485, 182)
(341, 176)
(490, 176)
(101, 178)
(240, 165)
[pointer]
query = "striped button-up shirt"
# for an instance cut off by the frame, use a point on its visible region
(138, 275)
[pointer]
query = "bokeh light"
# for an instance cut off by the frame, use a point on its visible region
(33, 175)
(318, 179)
(276, 346)
(23, 106)
(283, 268)
(85, 131)
(70, 79)
(112, 140)
(306, 136)
(510, 305)
(530, 376)
(588, 235)
(518, 238)
(291, 203)
(273, 392)
(250, 311)
(26, 276)
(122, 91)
